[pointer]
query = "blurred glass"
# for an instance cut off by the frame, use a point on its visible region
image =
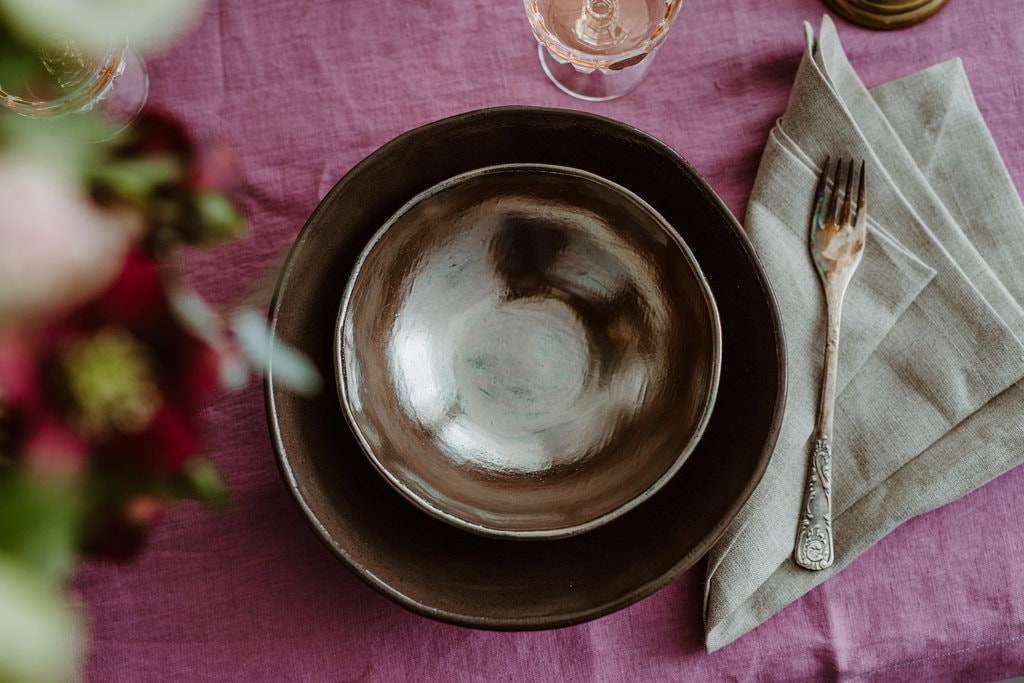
(63, 79)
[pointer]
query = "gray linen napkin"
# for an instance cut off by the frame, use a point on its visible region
(928, 404)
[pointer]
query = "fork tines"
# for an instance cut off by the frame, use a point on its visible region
(840, 214)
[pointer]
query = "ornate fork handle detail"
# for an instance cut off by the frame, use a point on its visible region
(838, 232)
(814, 546)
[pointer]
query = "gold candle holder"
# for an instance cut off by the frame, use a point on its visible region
(885, 14)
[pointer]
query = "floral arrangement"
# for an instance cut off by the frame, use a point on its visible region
(101, 380)
(105, 357)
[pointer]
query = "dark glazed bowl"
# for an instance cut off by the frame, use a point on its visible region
(449, 574)
(528, 351)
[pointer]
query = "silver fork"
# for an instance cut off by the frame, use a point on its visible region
(837, 239)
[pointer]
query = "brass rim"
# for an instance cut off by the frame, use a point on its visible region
(885, 14)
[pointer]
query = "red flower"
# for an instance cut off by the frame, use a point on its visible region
(181, 369)
(122, 373)
(164, 446)
(154, 133)
(19, 375)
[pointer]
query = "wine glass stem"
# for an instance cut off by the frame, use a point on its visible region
(598, 25)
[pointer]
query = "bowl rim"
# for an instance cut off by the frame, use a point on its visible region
(707, 401)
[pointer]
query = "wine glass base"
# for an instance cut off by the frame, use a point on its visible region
(128, 95)
(598, 85)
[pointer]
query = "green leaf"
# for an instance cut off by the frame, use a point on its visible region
(39, 523)
(206, 483)
(219, 218)
(291, 368)
(134, 179)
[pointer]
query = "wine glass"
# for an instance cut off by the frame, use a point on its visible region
(67, 80)
(599, 49)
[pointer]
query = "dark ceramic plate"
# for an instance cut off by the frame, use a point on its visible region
(453, 575)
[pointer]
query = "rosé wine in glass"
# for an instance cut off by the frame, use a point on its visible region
(599, 49)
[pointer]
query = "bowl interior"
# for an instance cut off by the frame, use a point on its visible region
(527, 350)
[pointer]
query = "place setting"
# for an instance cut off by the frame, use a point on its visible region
(542, 340)
(610, 268)
(566, 372)
(545, 327)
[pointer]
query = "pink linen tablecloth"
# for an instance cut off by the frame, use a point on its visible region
(303, 90)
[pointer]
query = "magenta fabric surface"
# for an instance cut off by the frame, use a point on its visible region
(304, 90)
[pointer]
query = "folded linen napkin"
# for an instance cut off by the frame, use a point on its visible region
(931, 351)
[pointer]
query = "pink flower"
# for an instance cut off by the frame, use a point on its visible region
(53, 451)
(59, 248)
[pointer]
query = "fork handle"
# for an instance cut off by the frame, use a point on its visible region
(814, 549)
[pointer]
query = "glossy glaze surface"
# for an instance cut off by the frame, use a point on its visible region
(527, 351)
